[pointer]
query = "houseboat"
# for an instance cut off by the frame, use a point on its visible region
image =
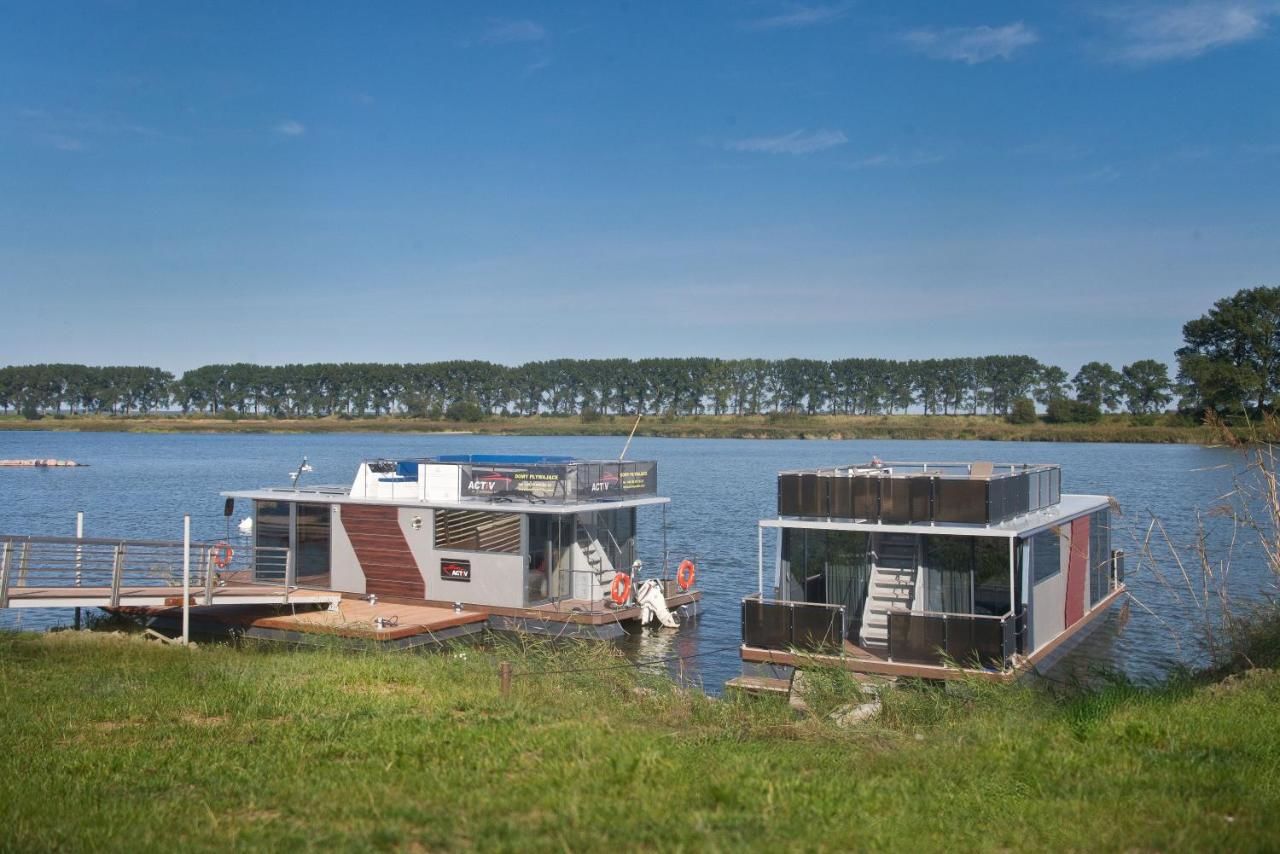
(929, 570)
(523, 543)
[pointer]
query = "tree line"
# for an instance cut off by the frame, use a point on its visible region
(1230, 363)
(658, 386)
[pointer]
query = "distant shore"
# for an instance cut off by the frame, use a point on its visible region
(1112, 428)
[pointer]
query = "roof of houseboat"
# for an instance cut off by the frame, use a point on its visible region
(510, 483)
(989, 499)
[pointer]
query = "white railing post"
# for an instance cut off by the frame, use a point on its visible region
(186, 578)
(4, 574)
(117, 573)
(79, 558)
(79, 549)
(760, 560)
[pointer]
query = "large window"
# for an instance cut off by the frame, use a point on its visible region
(475, 531)
(313, 523)
(830, 567)
(1046, 555)
(967, 575)
(271, 528)
(1099, 555)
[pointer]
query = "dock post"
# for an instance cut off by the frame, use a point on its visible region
(504, 678)
(186, 579)
(79, 557)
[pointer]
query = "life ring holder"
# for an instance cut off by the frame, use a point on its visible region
(222, 554)
(620, 589)
(686, 574)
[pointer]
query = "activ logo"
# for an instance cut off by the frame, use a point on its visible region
(606, 483)
(488, 482)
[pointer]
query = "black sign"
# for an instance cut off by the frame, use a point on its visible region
(454, 569)
(617, 480)
(530, 482)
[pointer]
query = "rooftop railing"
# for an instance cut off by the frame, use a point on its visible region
(905, 493)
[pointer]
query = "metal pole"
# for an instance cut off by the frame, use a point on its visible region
(79, 564)
(186, 579)
(760, 560)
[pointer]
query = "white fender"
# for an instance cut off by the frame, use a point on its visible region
(653, 605)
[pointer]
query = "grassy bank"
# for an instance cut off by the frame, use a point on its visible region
(1115, 428)
(114, 743)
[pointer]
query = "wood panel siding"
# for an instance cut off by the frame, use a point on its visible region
(384, 555)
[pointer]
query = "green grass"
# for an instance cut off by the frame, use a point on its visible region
(114, 743)
(1112, 428)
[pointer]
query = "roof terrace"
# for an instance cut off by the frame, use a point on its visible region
(978, 493)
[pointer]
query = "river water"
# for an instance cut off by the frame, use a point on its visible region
(139, 486)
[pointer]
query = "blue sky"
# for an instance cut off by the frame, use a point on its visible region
(187, 183)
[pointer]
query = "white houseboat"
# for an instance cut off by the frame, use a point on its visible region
(929, 570)
(530, 543)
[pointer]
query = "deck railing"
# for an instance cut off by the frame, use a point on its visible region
(115, 565)
(932, 637)
(782, 625)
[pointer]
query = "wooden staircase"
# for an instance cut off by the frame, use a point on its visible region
(892, 585)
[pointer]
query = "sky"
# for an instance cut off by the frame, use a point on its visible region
(187, 183)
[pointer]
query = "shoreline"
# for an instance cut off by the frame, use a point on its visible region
(1113, 428)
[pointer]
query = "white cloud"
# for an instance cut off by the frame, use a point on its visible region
(509, 31)
(1159, 33)
(796, 142)
(290, 127)
(800, 16)
(65, 143)
(889, 160)
(972, 45)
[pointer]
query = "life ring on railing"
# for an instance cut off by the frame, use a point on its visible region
(222, 554)
(620, 590)
(686, 574)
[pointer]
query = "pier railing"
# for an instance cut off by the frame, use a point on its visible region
(112, 567)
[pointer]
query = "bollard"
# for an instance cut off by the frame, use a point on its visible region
(504, 678)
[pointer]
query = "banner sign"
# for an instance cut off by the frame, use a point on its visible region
(581, 481)
(544, 482)
(455, 569)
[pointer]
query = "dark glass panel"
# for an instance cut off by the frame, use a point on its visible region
(816, 628)
(1046, 556)
(813, 495)
(866, 498)
(789, 495)
(766, 625)
(895, 501)
(270, 531)
(991, 593)
(960, 501)
(921, 491)
(314, 525)
(840, 497)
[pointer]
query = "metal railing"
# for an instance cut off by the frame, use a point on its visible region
(114, 565)
(783, 625)
(935, 637)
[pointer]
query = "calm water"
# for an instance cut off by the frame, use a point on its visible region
(138, 486)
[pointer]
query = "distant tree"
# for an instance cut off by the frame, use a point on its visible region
(1064, 410)
(1099, 385)
(1146, 386)
(1051, 385)
(1231, 360)
(1022, 411)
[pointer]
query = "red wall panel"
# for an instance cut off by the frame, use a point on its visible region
(1077, 570)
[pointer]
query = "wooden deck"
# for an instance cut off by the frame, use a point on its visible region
(347, 615)
(858, 660)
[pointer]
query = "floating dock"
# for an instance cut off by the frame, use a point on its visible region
(42, 464)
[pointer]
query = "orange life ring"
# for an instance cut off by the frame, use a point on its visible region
(222, 554)
(620, 590)
(686, 574)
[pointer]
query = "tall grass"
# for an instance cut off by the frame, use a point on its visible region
(113, 743)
